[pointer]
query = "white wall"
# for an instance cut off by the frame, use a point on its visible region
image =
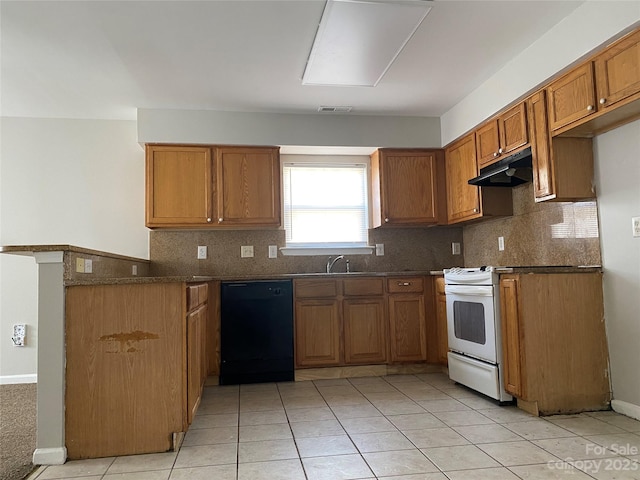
(345, 130)
(588, 27)
(78, 182)
(617, 157)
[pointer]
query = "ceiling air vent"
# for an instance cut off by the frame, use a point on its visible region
(334, 109)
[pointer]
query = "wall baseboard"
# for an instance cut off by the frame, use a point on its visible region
(13, 379)
(626, 408)
(50, 456)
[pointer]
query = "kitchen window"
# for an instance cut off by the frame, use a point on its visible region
(325, 208)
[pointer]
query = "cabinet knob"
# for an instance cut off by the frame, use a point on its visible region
(589, 107)
(495, 154)
(500, 150)
(220, 220)
(404, 284)
(386, 219)
(603, 101)
(475, 210)
(209, 219)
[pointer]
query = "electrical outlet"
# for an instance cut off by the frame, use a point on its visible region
(19, 335)
(635, 221)
(501, 243)
(80, 265)
(455, 248)
(134, 270)
(202, 252)
(380, 249)
(273, 251)
(246, 251)
(88, 265)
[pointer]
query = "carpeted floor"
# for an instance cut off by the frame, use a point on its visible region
(17, 430)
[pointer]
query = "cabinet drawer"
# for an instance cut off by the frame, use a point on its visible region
(356, 287)
(405, 284)
(315, 288)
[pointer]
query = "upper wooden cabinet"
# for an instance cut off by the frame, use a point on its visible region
(179, 186)
(618, 71)
(407, 187)
(562, 166)
(502, 135)
(212, 186)
(571, 97)
(248, 186)
(468, 202)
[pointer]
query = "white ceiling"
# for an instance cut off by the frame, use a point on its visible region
(104, 59)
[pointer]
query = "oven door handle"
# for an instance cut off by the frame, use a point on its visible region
(469, 290)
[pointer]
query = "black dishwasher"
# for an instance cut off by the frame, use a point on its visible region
(256, 332)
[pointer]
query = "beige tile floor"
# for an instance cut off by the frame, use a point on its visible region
(410, 427)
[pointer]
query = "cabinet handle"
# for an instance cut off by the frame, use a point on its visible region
(603, 101)
(500, 150)
(209, 219)
(386, 219)
(495, 154)
(404, 284)
(589, 108)
(220, 220)
(475, 210)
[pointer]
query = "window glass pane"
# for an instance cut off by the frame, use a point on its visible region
(325, 204)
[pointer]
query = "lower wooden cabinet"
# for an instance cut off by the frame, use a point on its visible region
(130, 381)
(317, 332)
(441, 321)
(555, 357)
(365, 332)
(407, 319)
(367, 321)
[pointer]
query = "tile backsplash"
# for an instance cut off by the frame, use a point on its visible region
(405, 249)
(546, 233)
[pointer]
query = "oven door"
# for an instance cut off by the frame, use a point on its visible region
(471, 321)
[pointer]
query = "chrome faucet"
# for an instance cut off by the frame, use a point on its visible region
(331, 263)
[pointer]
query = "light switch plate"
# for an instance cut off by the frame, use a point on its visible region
(501, 243)
(635, 221)
(88, 265)
(246, 251)
(273, 251)
(455, 248)
(380, 249)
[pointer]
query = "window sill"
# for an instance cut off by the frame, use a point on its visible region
(311, 251)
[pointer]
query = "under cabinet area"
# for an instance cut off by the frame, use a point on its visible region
(554, 346)
(212, 186)
(135, 366)
(407, 187)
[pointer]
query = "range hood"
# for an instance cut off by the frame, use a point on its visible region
(508, 172)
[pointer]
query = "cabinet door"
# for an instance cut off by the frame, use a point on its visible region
(543, 183)
(488, 144)
(407, 328)
(571, 97)
(195, 356)
(179, 186)
(248, 186)
(463, 200)
(618, 71)
(365, 331)
(317, 327)
(513, 129)
(511, 337)
(408, 188)
(441, 321)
